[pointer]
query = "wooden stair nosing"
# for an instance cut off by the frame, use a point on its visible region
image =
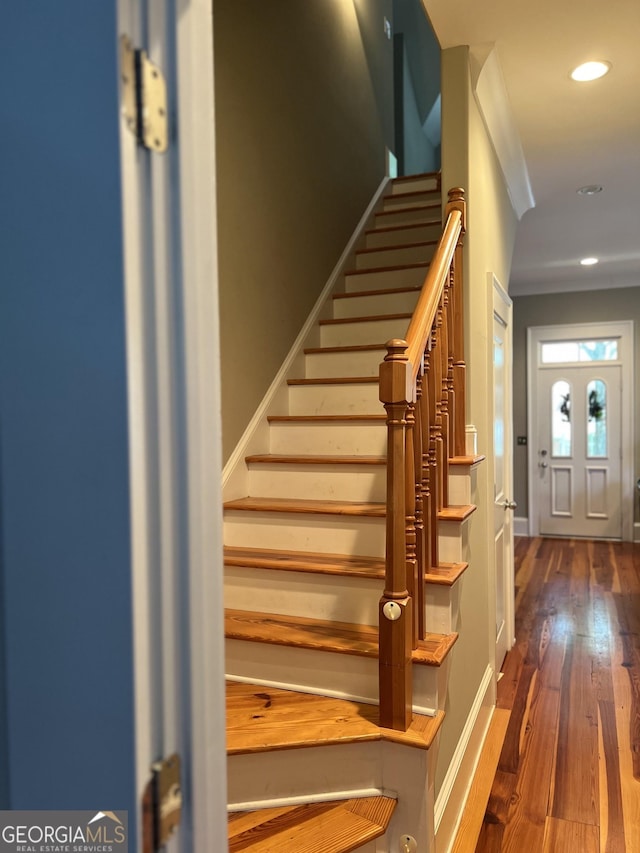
(262, 718)
(309, 459)
(335, 380)
(446, 574)
(325, 827)
(321, 635)
(347, 565)
(382, 229)
(351, 348)
(372, 509)
(435, 205)
(306, 419)
(384, 292)
(344, 565)
(314, 507)
(412, 194)
(392, 268)
(372, 318)
(414, 245)
(467, 460)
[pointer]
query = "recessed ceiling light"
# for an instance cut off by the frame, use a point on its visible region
(590, 71)
(590, 189)
(588, 262)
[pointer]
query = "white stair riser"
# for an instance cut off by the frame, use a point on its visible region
(442, 607)
(348, 399)
(358, 437)
(407, 234)
(459, 484)
(412, 185)
(452, 541)
(286, 773)
(355, 363)
(350, 676)
(364, 332)
(384, 279)
(335, 534)
(383, 303)
(409, 216)
(419, 199)
(319, 482)
(331, 597)
(388, 257)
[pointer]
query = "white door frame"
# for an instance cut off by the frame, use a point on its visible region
(173, 369)
(503, 309)
(623, 330)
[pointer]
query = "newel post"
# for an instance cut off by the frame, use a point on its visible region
(395, 609)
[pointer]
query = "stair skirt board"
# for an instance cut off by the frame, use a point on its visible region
(456, 785)
(325, 673)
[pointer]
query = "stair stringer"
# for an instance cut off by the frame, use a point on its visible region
(255, 438)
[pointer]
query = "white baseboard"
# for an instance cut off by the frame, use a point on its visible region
(521, 526)
(255, 438)
(457, 783)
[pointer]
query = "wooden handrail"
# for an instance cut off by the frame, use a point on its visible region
(422, 387)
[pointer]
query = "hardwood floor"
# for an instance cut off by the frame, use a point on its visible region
(568, 776)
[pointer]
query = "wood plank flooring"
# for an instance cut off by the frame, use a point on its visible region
(568, 776)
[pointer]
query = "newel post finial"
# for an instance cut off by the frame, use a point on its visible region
(457, 201)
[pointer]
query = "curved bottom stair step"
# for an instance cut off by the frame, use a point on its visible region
(327, 827)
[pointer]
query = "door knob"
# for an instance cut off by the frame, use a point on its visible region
(510, 505)
(543, 464)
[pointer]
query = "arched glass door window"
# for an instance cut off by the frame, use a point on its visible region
(596, 419)
(561, 419)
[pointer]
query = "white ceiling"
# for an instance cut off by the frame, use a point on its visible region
(572, 134)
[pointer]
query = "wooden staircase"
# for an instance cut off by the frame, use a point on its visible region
(313, 763)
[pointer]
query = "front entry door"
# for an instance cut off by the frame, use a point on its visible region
(579, 450)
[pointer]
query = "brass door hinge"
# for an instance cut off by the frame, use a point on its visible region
(144, 97)
(162, 804)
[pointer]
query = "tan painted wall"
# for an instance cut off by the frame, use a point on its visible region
(303, 113)
(469, 161)
(550, 309)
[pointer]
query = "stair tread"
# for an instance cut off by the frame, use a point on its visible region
(334, 380)
(413, 245)
(432, 206)
(393, 268)
(306, 561)
(309, 459)
(352, 348)
(340, 320)
(323, 635)
(375, 509)
(325, 827)
(467, 460)
(253, 504)
(382, 292)
(349, 565)
(324, 418)
(446, 574)
(403, 226)
(263, 718)
(413, 193)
